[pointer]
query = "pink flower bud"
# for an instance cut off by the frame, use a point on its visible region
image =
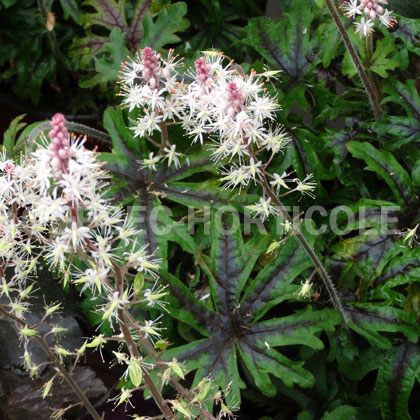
(235, 98)
(59, 147)
(150, 64)
(203, 70)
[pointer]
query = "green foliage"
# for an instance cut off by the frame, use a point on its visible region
(16, 137)
(162, 31)
(387, 167)
(29, 61)
(401, 129)
(286, 43)
(234, 312)
(385, 58)
(10, 135)
(145, 29)
(109, 15)
(218, 24)
(231, 319)
(407, 8)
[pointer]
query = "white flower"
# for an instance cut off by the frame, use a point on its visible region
(92, 279)
(142, 261)
(235, 176)
(306, 186)
(76, 235)
(173, 156)
(306, 290)
(56, 253)
(232, 106)
(147, 124)
(386, 19)
(51, 209)
(264, 209)
(280, 181)
(254, 168)
(150, 330)
(127, 230)
(103, 251)
(149, 83)
(114, 304)
(276, 140)
(352, 8)
(364, 27)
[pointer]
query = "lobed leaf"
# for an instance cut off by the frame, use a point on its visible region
(162, 31)
(387, 167)
(286, 43)
(370, 319)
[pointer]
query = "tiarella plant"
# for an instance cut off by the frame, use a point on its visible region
(54, 212)
(238, 243)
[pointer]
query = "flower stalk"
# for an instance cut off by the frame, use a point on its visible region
(66, 375)
(311, 253)
(370, 88)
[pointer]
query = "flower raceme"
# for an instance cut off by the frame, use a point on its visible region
(52, 209)
(369, 11)
(216, 102)
(150, 82)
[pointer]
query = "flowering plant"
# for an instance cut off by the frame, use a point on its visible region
(191, 242)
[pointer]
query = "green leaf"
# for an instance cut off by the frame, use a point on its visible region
(174, 231)
(401, 129)
(229, 321)
(415, 174)
(405, 94)
(331, 42)
(407, 34)
(380, 61)
(8, 3)
(109, 66)
(387, 167)
(258, 347)
(135, 31)
(109, 14)
(344, 412)
(384, 58)
(398, 369)
(273, 284)
(287, 42)
(311, 150)
(401, 270)
(372, 250)
(123, 141)
(70, 8)
(370, 320)
(161, 32)
(108, 51)
(10, 135)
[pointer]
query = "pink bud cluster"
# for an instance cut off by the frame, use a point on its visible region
(371, 8)
(203, 70)
(150, 67)
(60, 150)
(235, 99)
